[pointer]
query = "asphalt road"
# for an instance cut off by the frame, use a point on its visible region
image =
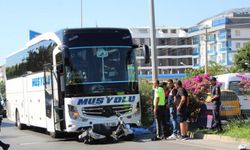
(31, 139)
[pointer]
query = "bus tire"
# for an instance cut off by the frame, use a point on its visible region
(19, 125)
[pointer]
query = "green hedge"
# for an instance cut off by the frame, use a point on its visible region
(146, 102)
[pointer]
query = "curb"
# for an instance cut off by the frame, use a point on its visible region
(221, 138)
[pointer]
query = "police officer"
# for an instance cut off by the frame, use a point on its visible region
(215, 99)
(159, 110)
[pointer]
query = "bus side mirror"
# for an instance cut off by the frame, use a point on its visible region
(145, 50)
(146, 53)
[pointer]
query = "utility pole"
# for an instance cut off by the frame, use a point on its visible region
(81, 13)
(153, 46)
(206, 61)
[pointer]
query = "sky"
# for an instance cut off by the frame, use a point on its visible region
(17, 17)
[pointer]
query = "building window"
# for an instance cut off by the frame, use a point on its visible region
(173, 31)
(237, 45)
(164, 30)
(230, 58)
(161, 41)
(222, 58)
(237, 32)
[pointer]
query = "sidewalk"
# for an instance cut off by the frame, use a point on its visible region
(219, 138)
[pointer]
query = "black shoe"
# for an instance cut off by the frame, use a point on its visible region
(6, 146)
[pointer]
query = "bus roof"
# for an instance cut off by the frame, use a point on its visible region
(44, 36)
(52, 35)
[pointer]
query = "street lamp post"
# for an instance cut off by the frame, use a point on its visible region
(153, 46)
(206, 59)
(81, 13)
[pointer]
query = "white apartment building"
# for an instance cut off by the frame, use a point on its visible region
(226, 33)
(173, 47)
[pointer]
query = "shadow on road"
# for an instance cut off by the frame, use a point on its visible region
(7, 125)
(143, 138)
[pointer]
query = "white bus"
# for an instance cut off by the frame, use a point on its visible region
(232, 82)
(71, 79)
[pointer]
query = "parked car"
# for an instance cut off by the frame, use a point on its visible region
(230, 104)
(231, 81)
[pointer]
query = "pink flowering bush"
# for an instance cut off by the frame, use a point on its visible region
(245, 84)
(198, 85)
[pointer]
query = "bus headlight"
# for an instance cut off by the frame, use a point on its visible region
(73, 113)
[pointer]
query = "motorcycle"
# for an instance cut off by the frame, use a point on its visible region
(100, 133)
(123, 130)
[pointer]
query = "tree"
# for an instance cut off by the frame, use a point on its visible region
(242, 58)
(2, 89)
(213, 69)
(146, 102)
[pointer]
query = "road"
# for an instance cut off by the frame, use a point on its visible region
(35, 140)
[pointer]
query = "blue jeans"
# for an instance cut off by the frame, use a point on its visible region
(175, 123)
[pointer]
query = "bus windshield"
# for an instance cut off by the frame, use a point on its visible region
(100, 70)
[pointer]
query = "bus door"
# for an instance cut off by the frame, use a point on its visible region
(59, 92)
(49, 102)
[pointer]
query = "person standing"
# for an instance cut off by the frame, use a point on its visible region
(159, 110)
(167, 114)
(215, 99)
(182, 109)
(173, 110)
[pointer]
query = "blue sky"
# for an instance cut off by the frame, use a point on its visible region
(20, 16)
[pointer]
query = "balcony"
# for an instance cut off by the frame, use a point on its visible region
(193, 29)
(196, 52)
(223, 62)
(196, 65)
(211, 52)
(211, 39)
(222, 36)
(196, 40)
(224, 49)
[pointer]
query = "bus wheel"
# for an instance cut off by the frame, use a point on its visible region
(18, 122)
